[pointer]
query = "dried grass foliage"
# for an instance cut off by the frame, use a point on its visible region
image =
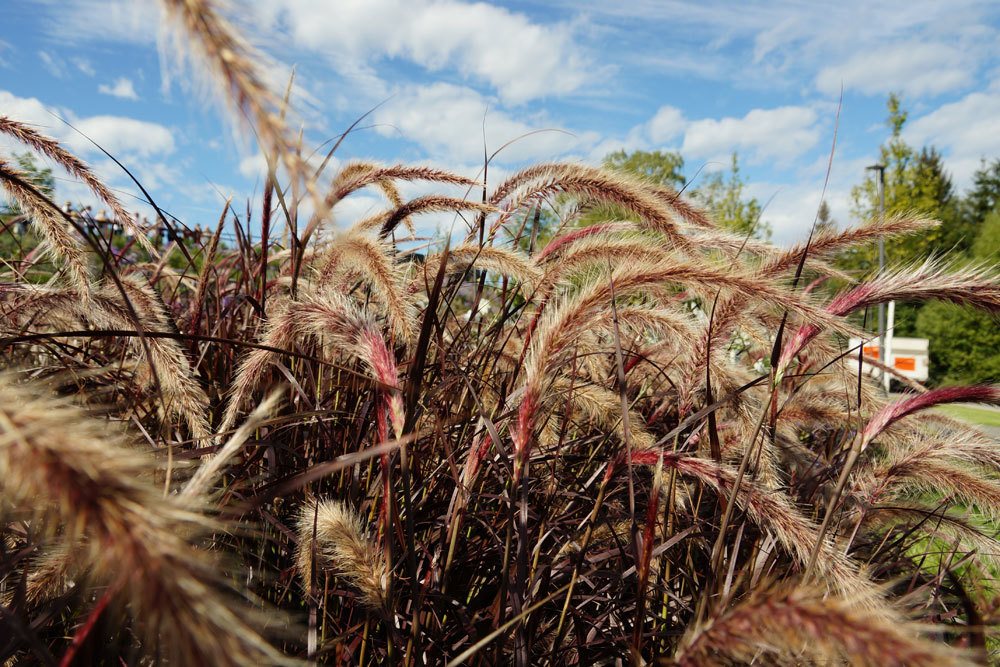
(51, 149)
(798, 624)
(332, 537)
(66, 468)
(480, 450)
(50, 223)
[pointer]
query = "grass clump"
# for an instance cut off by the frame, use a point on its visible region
(640, 441)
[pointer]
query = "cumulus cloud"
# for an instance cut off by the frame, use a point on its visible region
(356, 207)
(668, 123)
(27, 110)
(790, 208)
(777, 135)
(142, 145)
(519, 58)
(122, 88)
(448, 122)
(914, 68)
(253, 167)
(119, 135)
(966, 130)
(780, 134)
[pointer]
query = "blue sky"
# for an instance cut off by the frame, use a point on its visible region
(705, 78)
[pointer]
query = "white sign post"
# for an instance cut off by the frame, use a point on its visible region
(890, 323)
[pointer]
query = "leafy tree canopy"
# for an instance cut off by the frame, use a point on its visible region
(660, 167)
(824, 219)
(38, 175)
(986, 247)
(915, 183)
(721, 193)
(984, 197)
(965, 343)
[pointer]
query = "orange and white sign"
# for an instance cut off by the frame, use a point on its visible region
(907, 356)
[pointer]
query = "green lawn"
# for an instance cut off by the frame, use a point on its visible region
(979, 416)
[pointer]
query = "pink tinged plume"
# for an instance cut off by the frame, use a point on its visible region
(842, 305)
(553, 247)
(557, 243)
(651, 457)
(893, 412)
(643, 457)
(814, 284)
(383, 364)
(523, 433)
(475, 459)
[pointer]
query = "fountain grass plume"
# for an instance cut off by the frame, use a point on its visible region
(60, 463)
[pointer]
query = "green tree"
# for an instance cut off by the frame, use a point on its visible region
(896, 156)
(984, 197)
(14, 243)
(986, 247)
(965, 343)
(659, 167)
(824, 220)
(722, 194)
(932, 191)
(39, 176)
(915, 183)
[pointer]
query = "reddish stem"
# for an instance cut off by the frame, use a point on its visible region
(84, 630)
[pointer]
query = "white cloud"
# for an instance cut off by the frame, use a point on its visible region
(253, 167)
(357, 207)
(790, 208)
(139, 144)
(763, 135)
(84, 66)
(448, 122)
(966, 130)
(521, 59)
(122, 88)
(153, 174)
(120, 135)
(668, 123)
(914, 68)
(128, 21)
(27, 110)
(780, 134)
(53, 64)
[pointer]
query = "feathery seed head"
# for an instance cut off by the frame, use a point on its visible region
(334, 533)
